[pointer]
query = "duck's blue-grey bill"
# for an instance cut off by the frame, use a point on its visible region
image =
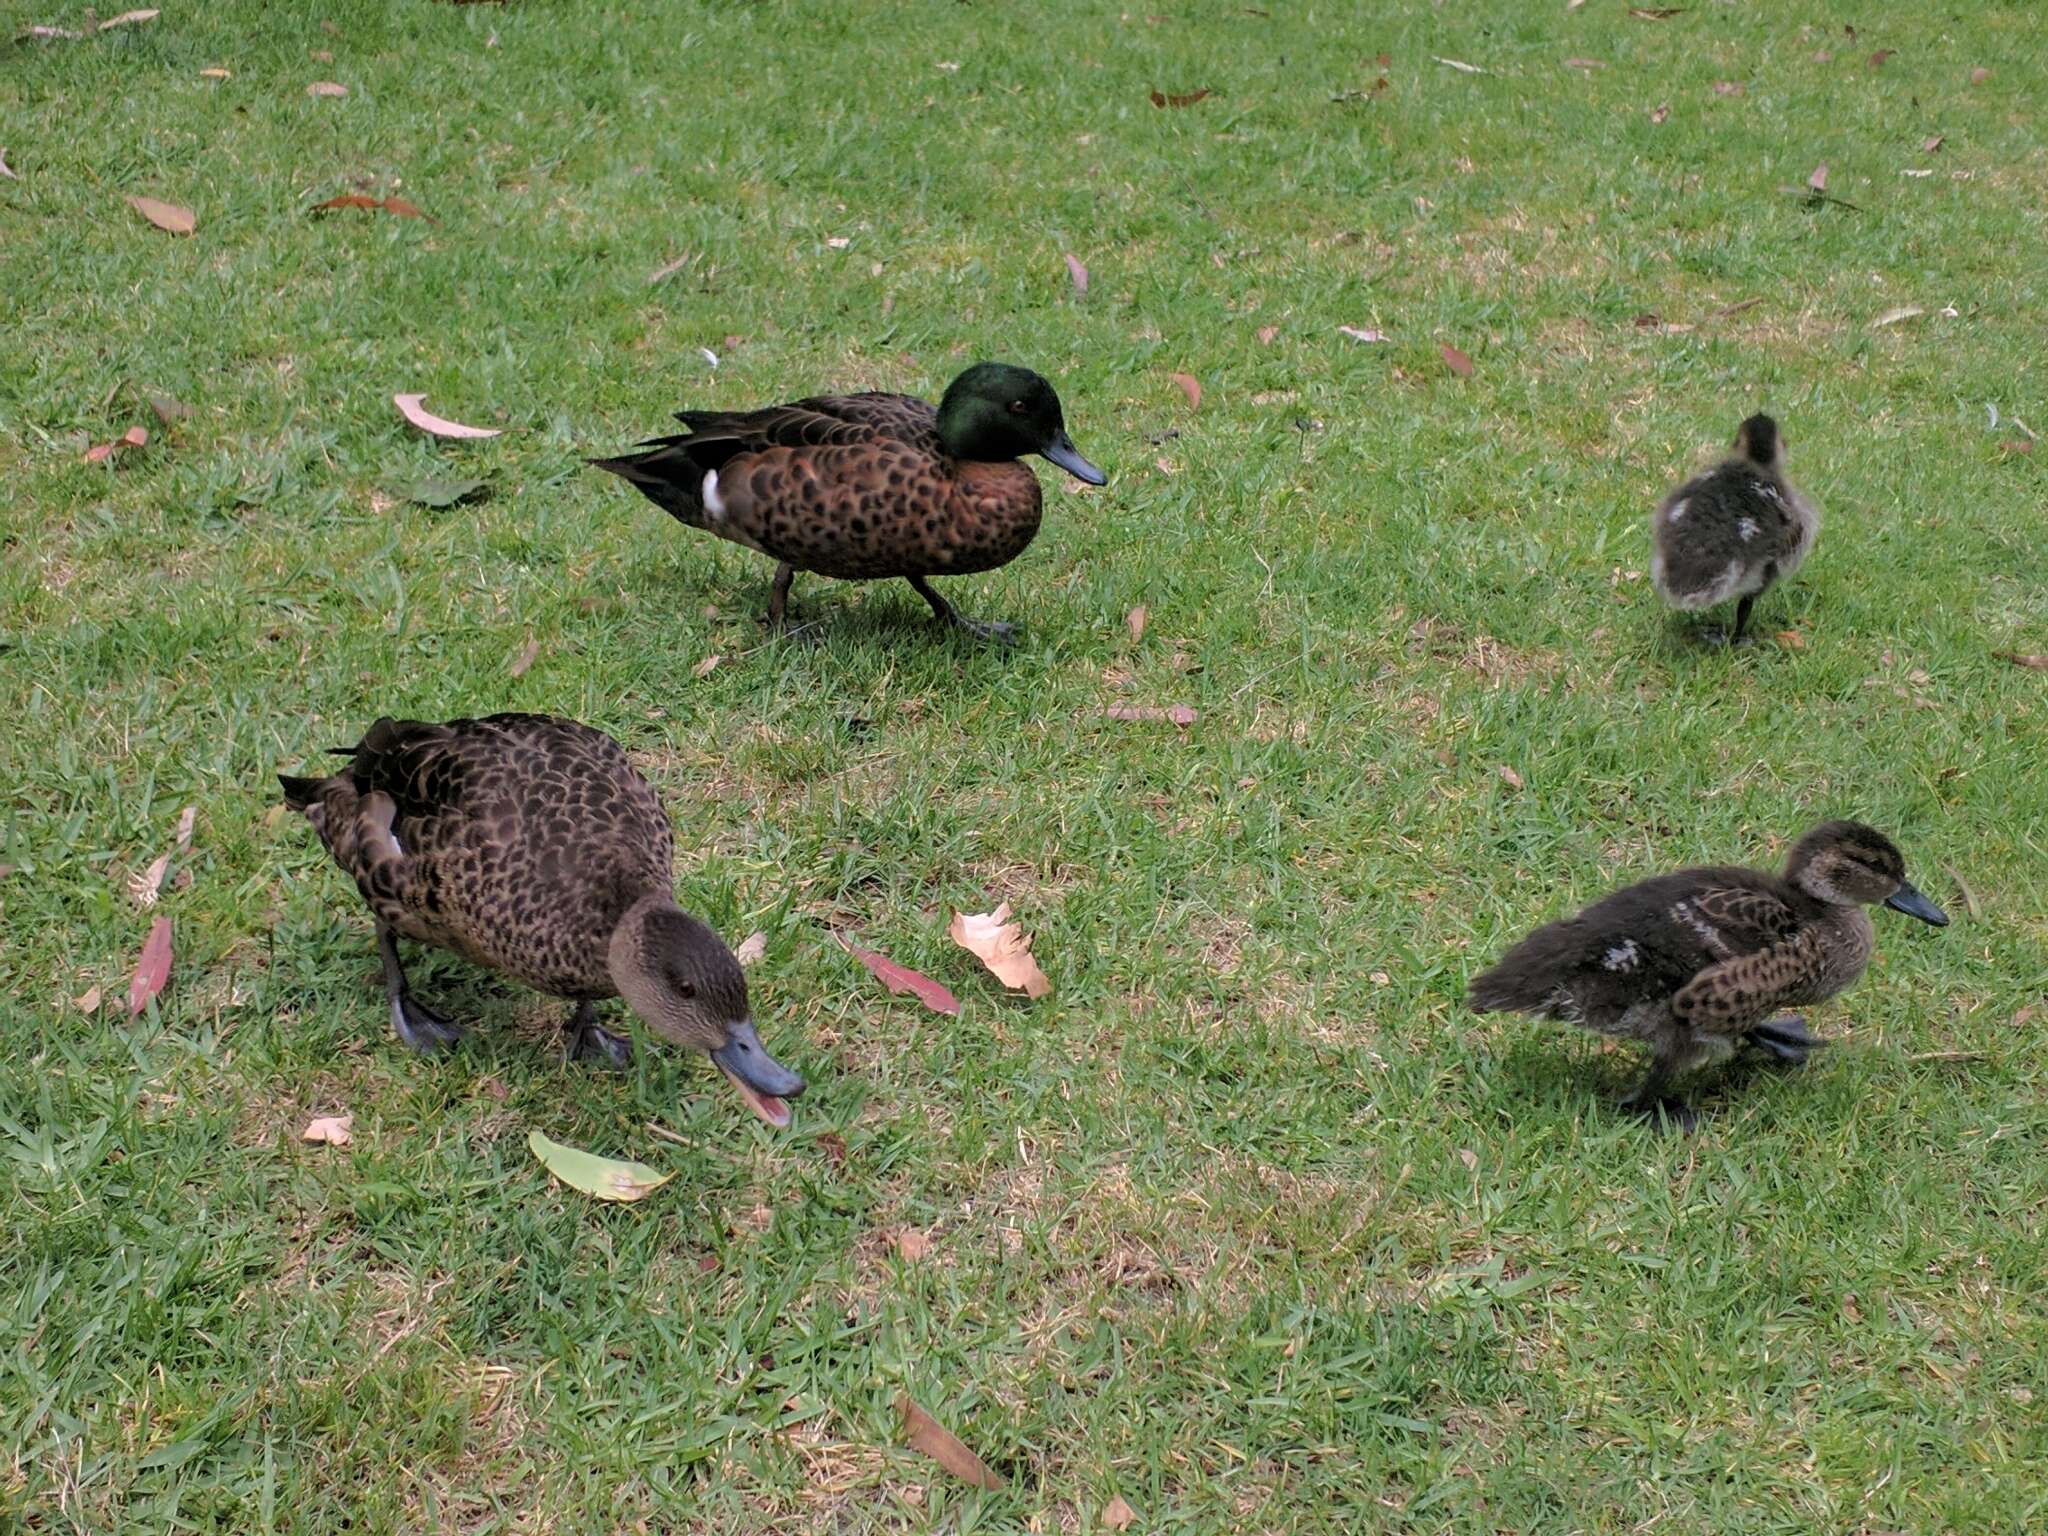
(1061, 451)
(746, 1059)
(1909, 901)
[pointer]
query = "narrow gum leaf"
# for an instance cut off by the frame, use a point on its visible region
(901, 979)
(411, 408)
(925, 1434)
(604, 1178)
(152, 969)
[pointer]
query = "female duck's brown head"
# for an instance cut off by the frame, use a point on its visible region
(685, 985)
(1845, 862)
(998, 411)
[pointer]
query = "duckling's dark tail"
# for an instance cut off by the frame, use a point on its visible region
(300, 794)
(1529, 978)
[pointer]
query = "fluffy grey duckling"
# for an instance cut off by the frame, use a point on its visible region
(1696, 963)
(528, 844)
(1733, 530)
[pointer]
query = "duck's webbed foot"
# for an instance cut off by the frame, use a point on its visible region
(778, 597)
(1786, 1038)
(589, 1042)
(419, 1026)
(1665, 1111)
(980, 629)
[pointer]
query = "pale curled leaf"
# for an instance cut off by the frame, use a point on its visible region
(1117, 1515)
(412, 410)
(1178, 714)
(152, 968)
(326, 88)
(168, 217)
(1509, 777)
(186, 820)
(5, 170)
(88, 1001)
(1077, 273)
(332, 1129)
(2019, 659)
(901, 979)
(144, 886)
(127, 19)
(924, 1433)
(1134, 621)
(1818, 181)
(528, 654)
(1459, 65)
(1267, 333)
(1189, 386)
(606, 1178)
(1362, 333)
(1660, 112)
(1002, 946)
(1895, 316)
(215, 73)
(910, 1244)
(751, 948)
(1455, 360)
(707, 666)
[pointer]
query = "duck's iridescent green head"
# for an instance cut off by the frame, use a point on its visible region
(997, 411)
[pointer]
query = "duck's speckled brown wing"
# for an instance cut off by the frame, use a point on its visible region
(516, 840)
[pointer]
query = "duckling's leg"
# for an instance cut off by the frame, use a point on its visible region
(778, 595)
(1742, 617)
(587, 1040)
(1786, 1038)
(981, 629)
(415, 1023)
(1676, 1048)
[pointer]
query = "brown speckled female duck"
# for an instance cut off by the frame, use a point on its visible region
(528, 844)
(1697, 962)
(1734, 530)
(869, 486)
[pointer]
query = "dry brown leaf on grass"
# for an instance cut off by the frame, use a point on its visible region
(1362, 333)
(1132, 714)
(1117, 1515)
(392, 205)
(1791, 639)
(1455, 360)
(528, 654)
(1459, 65)
(88, 1001)
(1979, 76)
(127, 19)
(1002, 946)
(326, 88)
(933, 1439)
(168, 409)
(1165, 99)
(412, 410)
(751, 948)
(1267, 333)
(1660, 112)
(333, 1130)
(833, 1145)
(215, 73)
(52, 32)
(134, 437)
(152, 968)
(707, 666)
(1894, 316)
(1931, 145)
(1729, 88)
(1134, 621)
(168, 217)
(2037, 663)
(1818, 181)
(910, 1244)
(1189, 386)
(143, 887)
(1077, 273)
(1877, 59)
(1509, 777)
(901, 979)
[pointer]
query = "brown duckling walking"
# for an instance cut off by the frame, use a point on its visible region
(1698, 962)
(529, 844)
(1733, 530)
(868, 486)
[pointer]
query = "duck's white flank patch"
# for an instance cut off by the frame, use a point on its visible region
(1677, 511)
(1622, 957)
(1747, 528)
(708, 494)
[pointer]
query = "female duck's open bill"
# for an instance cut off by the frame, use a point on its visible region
(763, 1082)
(1061, 451)
(1909, 901)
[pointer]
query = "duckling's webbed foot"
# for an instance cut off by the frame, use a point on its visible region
(589, 1042)
(420, 1027)
(1665, 1111)
(981, 629)
(1786, 1038)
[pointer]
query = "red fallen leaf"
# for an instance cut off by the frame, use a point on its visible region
(1660, 112)
(1179, 714)
(1189, 386)
(326, 88)
(2017, 445)
(134, 437)
(1877, 59)
(1267, 333)
(410, 408)
(2038, 663)
(168, 217)
(153, 969)
(1160, 99)
(1509, 777)
(833, 1145)
(1979, 76)
(1455, 360)
(1729, 87)
(1134, 621)
(392, 205)
(1078, 273)
(1818, 181)
(927, 1435)
(901, 979)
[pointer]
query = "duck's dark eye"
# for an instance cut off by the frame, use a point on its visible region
(688, 989)
(1017, 407)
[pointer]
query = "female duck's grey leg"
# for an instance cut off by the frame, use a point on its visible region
(1786, 1038)
(587, 1040)
(979, 628)
(778, 595)
(416, 1024)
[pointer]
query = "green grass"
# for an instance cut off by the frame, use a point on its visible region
(1249, 1222)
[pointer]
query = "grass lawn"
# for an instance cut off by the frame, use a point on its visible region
(1250, 1224)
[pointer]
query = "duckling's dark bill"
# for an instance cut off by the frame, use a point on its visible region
(1909, 901)
(763, 1082)
(1061, 451)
